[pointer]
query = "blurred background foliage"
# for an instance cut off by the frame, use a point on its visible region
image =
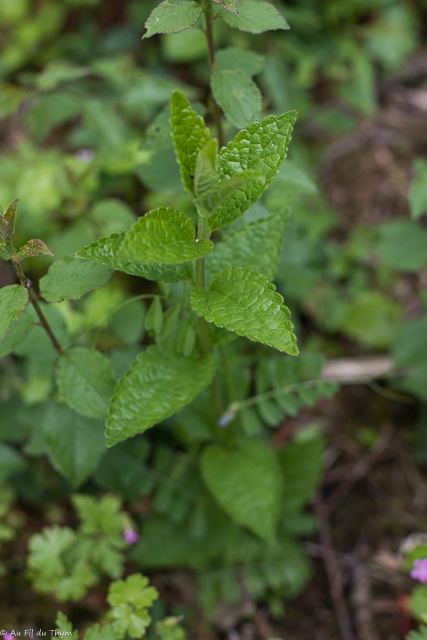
(85, 145)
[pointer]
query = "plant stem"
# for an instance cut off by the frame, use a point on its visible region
(43, 321)
(203, 233)
(214, 108)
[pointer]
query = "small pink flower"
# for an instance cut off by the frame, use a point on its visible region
(419, 572)
(130, 536)
(8, 636)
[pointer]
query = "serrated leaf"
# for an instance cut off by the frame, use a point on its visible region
(134, 590)
(229, 5)
(105, 251)
(34, 247)
(237, 95)
(209, 202)
(190, 135)
(72, 278)
(18, 333)
(243, 301)
(172, 16)
(256, 245)
(9, 216)
(234, 58)
(247, 483)
(13, 300)
(163, 235)
(159, 383)
(4, 252)
(85, 379)
(260, 148)
(75, 443)
(206, 171)
(255, 17)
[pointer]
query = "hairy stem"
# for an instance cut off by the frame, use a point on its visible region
(43, 321)
(203, 232)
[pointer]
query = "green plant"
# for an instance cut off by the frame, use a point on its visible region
(68, 562)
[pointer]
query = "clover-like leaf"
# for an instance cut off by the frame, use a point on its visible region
(163, 235)
(13, 300)
(261, 148)
(247, 483)
(172, 16)
(190, 135)
(34, 247)
(159, 383)
(105, 251)
(134, 590)
(243, 301)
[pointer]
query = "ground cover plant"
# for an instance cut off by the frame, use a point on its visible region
(151, 384)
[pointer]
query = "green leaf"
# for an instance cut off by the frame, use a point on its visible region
(403, 245)
(418, 602)
(234, 58)
(209, 202)
(9, 216)
(262, 149)
(257, 245)
(159, 383)
(301, 464)
(47, 547)
(4, 252)
(243, 301)
(154, 317)
(10, 461)
(190, 135)
(246, 482)
(172, 16)
(75, 443)
(134, 590)
(421, 634)
(105, 251)
(229, 5)
(163, 235)
(72, 278)
(418, 190)
(18, 333)
(13, 300)
(255, 17)
(32, 248)
(85, 381)
(206, 172)
(237, 95)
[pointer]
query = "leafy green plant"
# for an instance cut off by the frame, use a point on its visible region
(68, 562)
(221, 501)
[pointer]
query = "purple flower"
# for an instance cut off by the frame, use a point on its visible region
(130, 536)
(419, 572)
(8, 636)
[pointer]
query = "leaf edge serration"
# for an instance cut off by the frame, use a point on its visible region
(208, 314)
